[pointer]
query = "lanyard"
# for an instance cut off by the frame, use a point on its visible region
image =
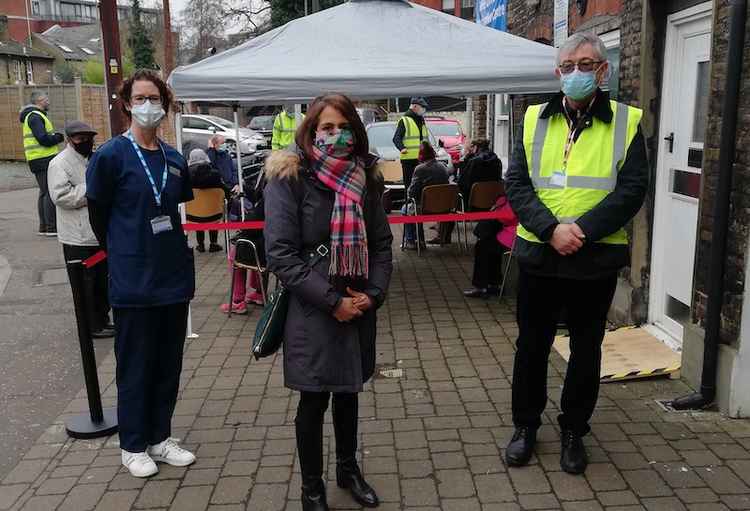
(573, 128)
(157, 193)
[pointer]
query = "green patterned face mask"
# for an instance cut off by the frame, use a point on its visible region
(335, 142)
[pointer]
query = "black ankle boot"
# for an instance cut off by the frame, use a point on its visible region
(314, 495)
(521, 447)
(573, 457)
(349, 476)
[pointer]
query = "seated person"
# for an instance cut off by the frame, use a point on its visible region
(493, 238)
(428, 173)
(484, 165)
(203, 175)
(480, 164)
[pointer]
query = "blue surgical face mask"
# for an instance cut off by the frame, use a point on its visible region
(578, 85)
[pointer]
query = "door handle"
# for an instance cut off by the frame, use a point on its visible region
(670, 139)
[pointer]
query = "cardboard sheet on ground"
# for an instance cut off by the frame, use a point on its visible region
(629, 353)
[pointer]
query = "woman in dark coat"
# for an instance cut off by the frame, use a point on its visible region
(323, 198)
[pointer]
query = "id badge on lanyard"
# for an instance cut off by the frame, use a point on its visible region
(160, 223)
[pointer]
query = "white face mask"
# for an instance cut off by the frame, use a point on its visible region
(147, 115)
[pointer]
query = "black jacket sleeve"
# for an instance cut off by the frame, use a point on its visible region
(417, 183)
(379, 243)
(36, 123)
(531, 212)
(623, 203)
(99, 218)
(398, 137)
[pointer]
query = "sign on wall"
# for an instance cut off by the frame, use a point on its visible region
(561, 22)
(492, 13)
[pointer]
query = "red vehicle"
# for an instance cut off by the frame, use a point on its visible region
(449, 132)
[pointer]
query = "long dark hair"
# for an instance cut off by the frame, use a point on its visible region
(306, 131)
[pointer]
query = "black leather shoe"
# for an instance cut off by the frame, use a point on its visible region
(314, 495)
(573, 457)
(214, 248)
(435, 241)
(104, 333)
(349, 476)
(475, 292)
(493, 290)
(200, 248)
(409, 245)
(521, 447)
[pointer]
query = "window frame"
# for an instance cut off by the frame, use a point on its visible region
(611, 42)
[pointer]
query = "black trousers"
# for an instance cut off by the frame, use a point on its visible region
(95, 285)
(149, 342)
(540, 300)
(309, 426)
(488, 256)
(407, 167)
(213, 237)
(44, 204)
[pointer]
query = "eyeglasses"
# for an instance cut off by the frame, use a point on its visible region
(584, 66)
(139, 100)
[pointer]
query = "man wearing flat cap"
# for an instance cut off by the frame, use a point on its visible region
(411, 130)
(67, 189)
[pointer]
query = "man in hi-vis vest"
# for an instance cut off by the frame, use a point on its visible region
(411, 130)
(40, 142)
(578, 174)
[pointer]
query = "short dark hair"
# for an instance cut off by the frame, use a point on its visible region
(481, 143)
(426, 151)
(306, 131)
(148, 75)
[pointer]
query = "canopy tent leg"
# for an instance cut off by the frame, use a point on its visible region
(238, 152)
(183, 213)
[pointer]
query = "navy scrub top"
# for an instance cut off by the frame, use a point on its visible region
(145, 269)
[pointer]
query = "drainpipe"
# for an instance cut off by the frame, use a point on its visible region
(707, 394)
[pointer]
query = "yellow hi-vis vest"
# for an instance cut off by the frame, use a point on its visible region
(593, 163)
(33, 149)
(413, 136)
(284, 128)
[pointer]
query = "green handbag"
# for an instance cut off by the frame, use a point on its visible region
(269, 333)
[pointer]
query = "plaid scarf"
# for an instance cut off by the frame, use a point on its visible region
(345, 176)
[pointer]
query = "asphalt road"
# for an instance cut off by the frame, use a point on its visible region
(40, 370)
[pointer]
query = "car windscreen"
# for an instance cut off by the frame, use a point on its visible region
(221, 122)
(263, 122)
(440, 129)
(381, 135)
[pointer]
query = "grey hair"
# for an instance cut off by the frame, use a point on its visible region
(38, 95)
(577, 40)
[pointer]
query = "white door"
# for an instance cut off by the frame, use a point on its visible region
(684, 110)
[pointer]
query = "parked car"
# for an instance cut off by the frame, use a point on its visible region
(380, 135)
(199, 128)
(370, 115)
(449, 132)
(263, 124)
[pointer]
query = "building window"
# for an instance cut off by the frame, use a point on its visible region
(35, 9)
(612, 43)
(29, 73)
(467, 9)
(64, 48)
(449, 6)
(87, 51)
(17, 69)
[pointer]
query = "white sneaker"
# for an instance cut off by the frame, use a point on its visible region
(170, 453)
(139, 464)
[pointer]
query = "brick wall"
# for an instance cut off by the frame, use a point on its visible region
(740, 199)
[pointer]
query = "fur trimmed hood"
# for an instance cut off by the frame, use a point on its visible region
(287, 163)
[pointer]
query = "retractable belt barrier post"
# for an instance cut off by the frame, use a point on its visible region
(98, 422)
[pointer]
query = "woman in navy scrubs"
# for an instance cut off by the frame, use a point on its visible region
(134, 185)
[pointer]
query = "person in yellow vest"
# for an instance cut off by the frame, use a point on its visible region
(284, 128)
(411, 130)
(40, 142)
(578, 175)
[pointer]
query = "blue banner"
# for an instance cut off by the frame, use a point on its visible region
(492, 13)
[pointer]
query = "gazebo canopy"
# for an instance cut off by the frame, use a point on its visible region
(370, 49)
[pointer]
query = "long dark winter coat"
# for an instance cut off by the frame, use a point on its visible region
(321, 354)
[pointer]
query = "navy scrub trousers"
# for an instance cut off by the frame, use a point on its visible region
(148, 347)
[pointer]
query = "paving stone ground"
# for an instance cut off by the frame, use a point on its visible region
(432, 439)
